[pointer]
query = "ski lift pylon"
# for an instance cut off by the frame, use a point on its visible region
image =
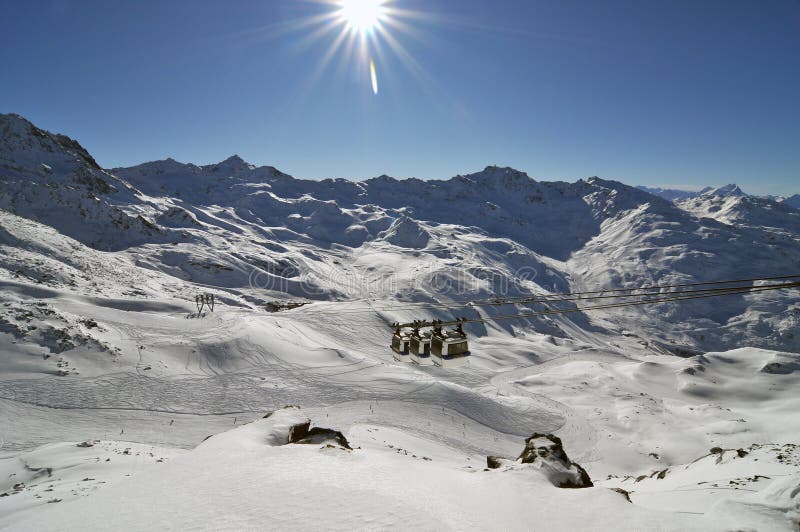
(204, 300)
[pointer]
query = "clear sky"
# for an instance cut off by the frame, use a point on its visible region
(654, 92)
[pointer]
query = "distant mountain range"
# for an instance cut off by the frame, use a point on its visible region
(166, 225)
(731, 190)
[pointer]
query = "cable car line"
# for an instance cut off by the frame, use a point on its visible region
(675, 296)
(558, 298)
(569, 296)
(721, 292)
(450, 348)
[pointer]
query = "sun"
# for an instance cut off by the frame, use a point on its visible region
(364, 32)
(362, 16)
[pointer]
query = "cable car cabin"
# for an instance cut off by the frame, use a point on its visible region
(400, 346)
(421, 348)
(449, 348)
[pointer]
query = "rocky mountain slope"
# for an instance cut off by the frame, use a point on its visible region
(793, 201)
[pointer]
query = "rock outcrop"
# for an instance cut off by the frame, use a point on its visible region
(319, 435)
(290, 425)
(545, 452)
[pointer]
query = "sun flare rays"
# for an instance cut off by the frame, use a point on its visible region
(355, 32)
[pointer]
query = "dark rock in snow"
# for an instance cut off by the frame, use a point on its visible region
(495, 462)
(625, 493)
(319, 435)
(548, 451)
(789, 365)
(298, 432)
(269, 414)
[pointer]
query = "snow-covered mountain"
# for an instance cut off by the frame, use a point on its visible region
(729, 190)
(746, 211)
(101, 341)
(226, 224)
(51, 178)
(792, 201)
(672, 194)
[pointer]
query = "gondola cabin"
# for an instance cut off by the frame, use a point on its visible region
(449, 348)
(400, 346)
(420, 344)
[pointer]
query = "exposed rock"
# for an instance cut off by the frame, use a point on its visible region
(269, 414)
(625, 493)
(292, 426)
(547, 451)
(496, 462)
(784, 364)
(287, 425)
(278, 306)
(298, 432)
(319, 435)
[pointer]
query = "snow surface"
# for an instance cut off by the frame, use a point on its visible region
(100, 342)
(374, 486)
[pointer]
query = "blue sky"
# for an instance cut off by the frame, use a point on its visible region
(683, 92)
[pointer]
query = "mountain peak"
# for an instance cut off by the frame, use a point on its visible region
(233, 159)
(234, 163)
(731, 189)
(498, 174)
(36, 146)
(16, 121)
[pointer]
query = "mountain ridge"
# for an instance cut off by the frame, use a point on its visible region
(222, 224)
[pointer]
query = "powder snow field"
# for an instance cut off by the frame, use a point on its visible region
(238, 480)
(111, 382)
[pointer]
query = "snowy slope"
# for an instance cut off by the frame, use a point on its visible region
(746, 211)
(654, 246)
(49, 177)
(100, 341)
(260, 482)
